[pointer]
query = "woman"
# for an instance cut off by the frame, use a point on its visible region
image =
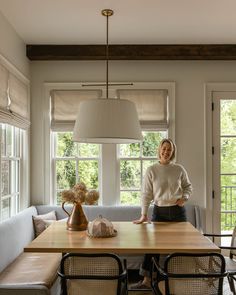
(168, 186)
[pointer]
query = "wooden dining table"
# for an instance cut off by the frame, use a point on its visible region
(156, 237)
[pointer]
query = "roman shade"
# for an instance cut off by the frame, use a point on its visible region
(14, 100)
(65, 105)
(151, 105)
(3, 86)
(18, 93)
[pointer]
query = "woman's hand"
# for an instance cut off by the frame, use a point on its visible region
(142, 219)
(180, 202)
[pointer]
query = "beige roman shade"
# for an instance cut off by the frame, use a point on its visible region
(5, 115)
(3, 87)
(14, 100)
(65, 106)
(151, 105)
(18, 93)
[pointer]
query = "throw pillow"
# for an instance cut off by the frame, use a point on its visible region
(41, 222)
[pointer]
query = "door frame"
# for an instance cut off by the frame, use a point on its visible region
(209, 89)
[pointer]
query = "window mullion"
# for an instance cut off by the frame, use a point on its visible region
(109, 189)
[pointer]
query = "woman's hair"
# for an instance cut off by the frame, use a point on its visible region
(173, 147)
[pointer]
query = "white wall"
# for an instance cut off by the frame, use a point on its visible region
(189, 77)
(13, 48)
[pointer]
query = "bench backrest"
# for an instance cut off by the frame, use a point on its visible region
(119, 213)
(15, 234)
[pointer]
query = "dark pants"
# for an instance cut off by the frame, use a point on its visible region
(172, 213)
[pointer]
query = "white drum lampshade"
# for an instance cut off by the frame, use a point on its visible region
(107, 121)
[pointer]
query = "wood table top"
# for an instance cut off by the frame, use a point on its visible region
(157, 237)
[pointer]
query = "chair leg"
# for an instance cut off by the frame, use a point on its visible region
(155, 289)
(126, 286)
(231, 284)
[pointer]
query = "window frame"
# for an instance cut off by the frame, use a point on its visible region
(17, 198)
(110, 182)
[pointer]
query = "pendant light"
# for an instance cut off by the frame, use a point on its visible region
(107, 120)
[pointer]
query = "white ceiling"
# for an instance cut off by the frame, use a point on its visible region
(133, 22)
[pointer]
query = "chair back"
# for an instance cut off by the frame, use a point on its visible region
(195, 274)
(92, 274)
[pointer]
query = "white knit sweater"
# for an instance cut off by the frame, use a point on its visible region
(164, 184)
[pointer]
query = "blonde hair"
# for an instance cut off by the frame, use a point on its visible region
(173, 148)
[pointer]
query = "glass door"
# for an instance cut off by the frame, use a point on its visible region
(224, 161)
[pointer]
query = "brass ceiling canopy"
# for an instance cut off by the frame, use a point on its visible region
(107, 12)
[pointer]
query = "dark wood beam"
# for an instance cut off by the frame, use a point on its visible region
(132, 52)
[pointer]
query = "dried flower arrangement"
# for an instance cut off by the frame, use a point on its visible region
(80, 194)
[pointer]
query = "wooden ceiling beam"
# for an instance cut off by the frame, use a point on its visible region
(132, 52)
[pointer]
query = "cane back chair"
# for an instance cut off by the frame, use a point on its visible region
(189, 273)
(92, 274)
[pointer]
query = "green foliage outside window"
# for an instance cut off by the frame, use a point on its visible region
(65, 172)
(74, 163)
(228, 163)
(130, 198)
(88, 173)
(151, 141)
(130, 174)
(65, 146)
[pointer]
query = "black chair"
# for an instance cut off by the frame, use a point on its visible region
(229, 260)
(92, 274)
(189, 273)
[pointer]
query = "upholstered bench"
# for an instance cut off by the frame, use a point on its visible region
(25, 273)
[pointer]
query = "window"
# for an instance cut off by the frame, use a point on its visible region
(11, 159)
(14, 139)
(115, 170)
(74, 162)
(134, 160)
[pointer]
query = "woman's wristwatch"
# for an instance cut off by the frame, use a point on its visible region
(185, 198)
